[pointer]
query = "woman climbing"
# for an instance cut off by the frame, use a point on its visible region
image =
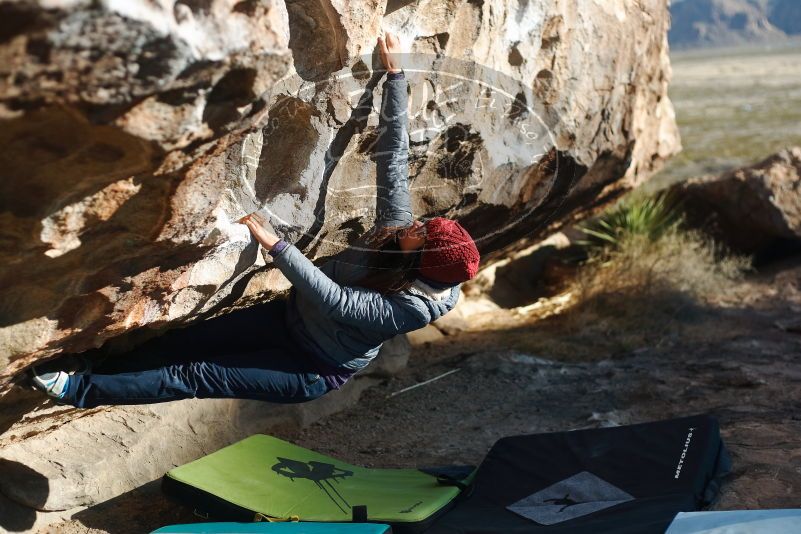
(405, 274)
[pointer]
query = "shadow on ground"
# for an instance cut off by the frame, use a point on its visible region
(140, 510)
(13, 517)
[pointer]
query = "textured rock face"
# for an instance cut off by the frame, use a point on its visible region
(133, 133)
(755, 209)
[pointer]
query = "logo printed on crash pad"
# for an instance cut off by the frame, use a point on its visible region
(564, 502)
(576, 496)
(321, 473)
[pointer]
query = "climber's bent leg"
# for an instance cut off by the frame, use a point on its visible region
(269, 375)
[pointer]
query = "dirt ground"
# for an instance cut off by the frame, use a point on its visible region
(738, 357)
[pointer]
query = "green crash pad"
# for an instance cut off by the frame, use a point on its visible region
(274, 528)
(268, 476)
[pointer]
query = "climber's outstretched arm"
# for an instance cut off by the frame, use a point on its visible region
(361, 307)
(395, 314)
(393, 205)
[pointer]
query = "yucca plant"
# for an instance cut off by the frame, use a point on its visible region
(637, 216)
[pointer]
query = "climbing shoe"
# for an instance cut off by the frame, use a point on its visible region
(54, 383)
(53, 377)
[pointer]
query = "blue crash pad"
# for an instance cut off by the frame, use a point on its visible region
(737, 522)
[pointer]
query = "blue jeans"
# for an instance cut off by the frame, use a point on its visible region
(246, 354)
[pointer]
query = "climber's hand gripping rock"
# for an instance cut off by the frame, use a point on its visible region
(389, 48)
(256, 223)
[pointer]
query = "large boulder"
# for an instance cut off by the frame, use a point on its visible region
(134, 133)
(754, 210)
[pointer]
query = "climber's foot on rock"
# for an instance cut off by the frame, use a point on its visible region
(54, 383)
(53, 377)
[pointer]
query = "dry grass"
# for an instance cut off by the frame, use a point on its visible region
(643, 291)
(646, 283)
(678, 261)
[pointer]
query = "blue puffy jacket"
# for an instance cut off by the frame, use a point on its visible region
(345, 325)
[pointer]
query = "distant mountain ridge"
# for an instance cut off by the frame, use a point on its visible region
(704, 23)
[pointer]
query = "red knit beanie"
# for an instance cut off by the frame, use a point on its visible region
(449, 255)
